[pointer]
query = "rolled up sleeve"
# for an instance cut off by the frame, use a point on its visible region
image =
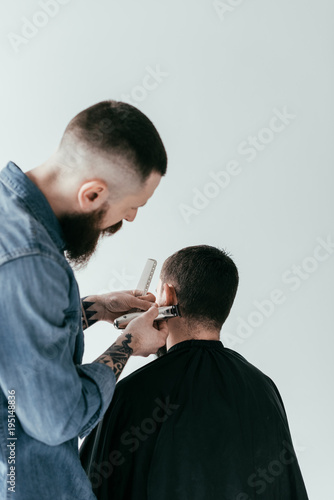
(56, 399)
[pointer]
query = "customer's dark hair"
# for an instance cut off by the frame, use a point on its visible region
(119, 129)
(205, 280)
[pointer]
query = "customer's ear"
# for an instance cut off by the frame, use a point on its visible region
(169, 295)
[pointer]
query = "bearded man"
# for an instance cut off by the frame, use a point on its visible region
(108, 164)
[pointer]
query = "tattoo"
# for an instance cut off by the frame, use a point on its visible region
(87, 313)
(117, 355)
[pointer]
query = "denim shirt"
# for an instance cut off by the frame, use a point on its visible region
(47, 396)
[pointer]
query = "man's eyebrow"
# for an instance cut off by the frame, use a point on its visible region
(139, 206)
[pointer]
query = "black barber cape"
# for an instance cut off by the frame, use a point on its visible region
(199, 423)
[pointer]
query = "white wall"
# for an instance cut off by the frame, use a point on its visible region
(225, 77)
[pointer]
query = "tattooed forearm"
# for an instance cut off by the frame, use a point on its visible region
(88, 313)
(117, 354)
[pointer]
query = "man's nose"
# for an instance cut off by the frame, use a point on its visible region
(131, 215)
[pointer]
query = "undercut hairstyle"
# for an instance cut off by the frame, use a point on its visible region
(206, 280)
(120, 130)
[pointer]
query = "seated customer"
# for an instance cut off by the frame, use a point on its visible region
(200, 422)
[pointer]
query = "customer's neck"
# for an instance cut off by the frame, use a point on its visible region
(180, 331)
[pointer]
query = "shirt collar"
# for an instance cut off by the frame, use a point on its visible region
(35, 201)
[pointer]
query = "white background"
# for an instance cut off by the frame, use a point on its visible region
(224, 75)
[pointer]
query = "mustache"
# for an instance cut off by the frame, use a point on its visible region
(112, 229)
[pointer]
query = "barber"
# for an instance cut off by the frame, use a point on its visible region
(108, 164)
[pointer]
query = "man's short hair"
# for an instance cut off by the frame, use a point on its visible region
(205, 279)
(121, 130)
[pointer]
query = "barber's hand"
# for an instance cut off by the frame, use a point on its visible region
(147, 337)
(110, 306)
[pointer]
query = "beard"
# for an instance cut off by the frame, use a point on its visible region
(82, 233)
